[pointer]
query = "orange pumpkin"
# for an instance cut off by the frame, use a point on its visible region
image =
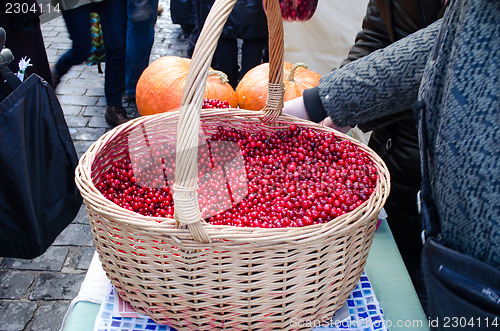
(252, 89)
(162, 83)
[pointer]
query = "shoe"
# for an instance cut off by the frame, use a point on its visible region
(129, 98)
(116, 115)
(56, 79)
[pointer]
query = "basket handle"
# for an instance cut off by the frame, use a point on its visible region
(187, 211)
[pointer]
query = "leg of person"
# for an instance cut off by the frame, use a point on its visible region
(226, 59)
(113, 21)
(140, 39)
(78, 24)
(201, 10)
(252, 52)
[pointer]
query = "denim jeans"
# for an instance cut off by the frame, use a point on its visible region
(140, 39)
(112, 14)
(226, 57)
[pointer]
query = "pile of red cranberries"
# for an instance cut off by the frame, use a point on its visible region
(298, 10)
(214, 103)
(289, 178)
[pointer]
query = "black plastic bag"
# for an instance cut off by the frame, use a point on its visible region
(38, 195)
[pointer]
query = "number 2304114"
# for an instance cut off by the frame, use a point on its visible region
(25, 8)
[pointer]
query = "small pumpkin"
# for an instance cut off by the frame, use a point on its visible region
(252, 89)
(161, 85)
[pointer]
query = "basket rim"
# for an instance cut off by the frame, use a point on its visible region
(166, 226)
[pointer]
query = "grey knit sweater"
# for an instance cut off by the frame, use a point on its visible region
(453, 66)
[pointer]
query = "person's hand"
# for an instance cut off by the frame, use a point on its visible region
(297, 108)
(329, 123)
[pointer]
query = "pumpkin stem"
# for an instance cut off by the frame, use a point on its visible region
(222, 76)
(291, 73)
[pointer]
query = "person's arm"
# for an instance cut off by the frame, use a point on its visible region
(379, 84)
(383, 24)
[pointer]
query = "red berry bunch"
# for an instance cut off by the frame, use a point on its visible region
(298, 10)
(214, 103)
(288, 178)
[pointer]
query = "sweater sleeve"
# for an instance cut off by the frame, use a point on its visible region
(381, 83)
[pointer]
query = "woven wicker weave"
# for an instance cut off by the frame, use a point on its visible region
(197, 276)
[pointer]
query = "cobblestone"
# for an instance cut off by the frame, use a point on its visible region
(79, 258)
(35, 294)
(52, 260)
(83, 100)
(48, 316)
(74, 235)
(56, 286)
(72, 110)
(86, 133)
(16, 314)
(78, 121)
(14, 284)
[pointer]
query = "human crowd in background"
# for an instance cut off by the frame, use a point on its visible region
(128, 32)
(128, 37)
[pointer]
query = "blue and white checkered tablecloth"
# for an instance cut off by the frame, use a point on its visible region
(364, 314)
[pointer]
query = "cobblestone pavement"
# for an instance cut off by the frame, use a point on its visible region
(35, 294)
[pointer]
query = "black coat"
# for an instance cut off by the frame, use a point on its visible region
(24, 38)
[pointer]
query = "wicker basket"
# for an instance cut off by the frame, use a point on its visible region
(196, 276)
